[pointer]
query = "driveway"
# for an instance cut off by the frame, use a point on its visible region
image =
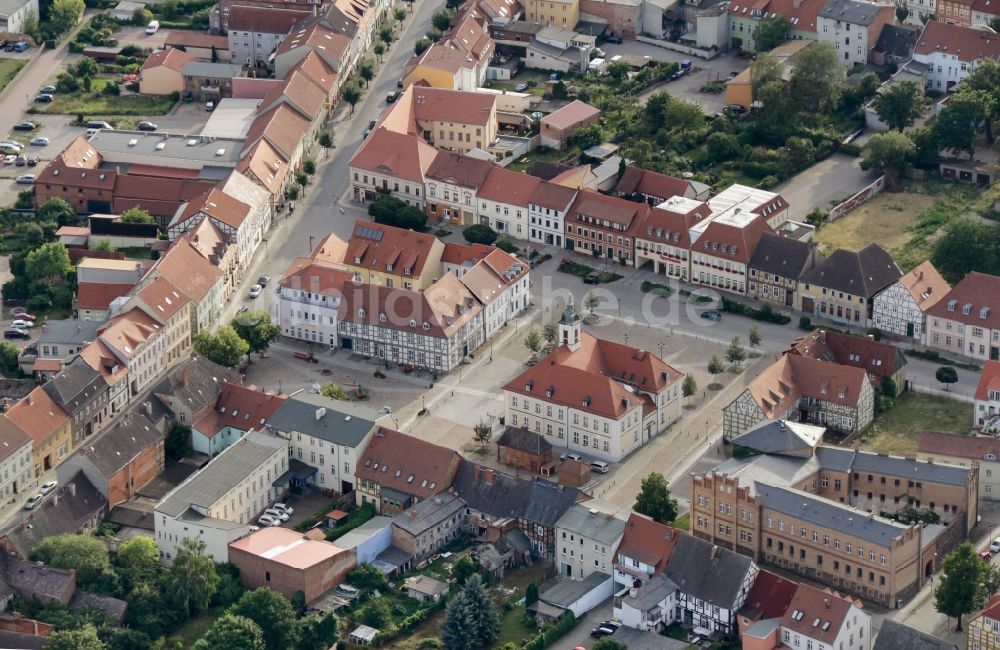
(824, 185)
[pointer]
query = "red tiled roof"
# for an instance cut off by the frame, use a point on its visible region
(318, 71)
(38, 416)
(784, 381)
(671, 227)
(977, 292)
(282, 126)
(488, 279)
(239, 407)
(551, 195)
(649, 542)
(458, 253)
(458, 169)
(570, 115)
(603, 207)
(306, 274)
(299, 91)
(826, 605)
(989, 380)
(769, 597)
(876, 358)
(394, 154)
(443, 105)
(728, 241)
(964, 43)
(188, 38)
(376, 246)
(961, 446)
(408, 464)
(505, 186)
(925, 285)
(98, 295)
(173, 58)
(188, 270)
(264, 164)
(162, 299)
(636, 179)
(268, 20)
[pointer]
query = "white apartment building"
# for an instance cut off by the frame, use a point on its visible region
(308, 299)
(663, 237)
(327, 435)
(15, 460)
(504, 198)
(950, 52)
(255, 32)
(853, 27)
(586, 541)
(137, 342)
(501, 284)
(547, 213)
(901, 308)
(824, 620)
(721, 248)
(966, 322)
(219, 503)
(987, 404)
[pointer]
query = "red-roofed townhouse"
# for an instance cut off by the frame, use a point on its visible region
(136, 341)
(967, 320)
(950, 51)
(163, 72)
(768, 599)
(604, 226)
(547, 210)
(393, 257)
(818, 618)
(256, 32)
(237, 411)
(171, 309)
(644, 551)
(48, 426)
(393, 164)
(459, 258)
(594, 396)
(504, 197)
(662, 237)
(984, 11)
(721, 249)
(308, 299)
(195, 276)
(100, 282)
(451, 184)
(500, 283)
(987, 414)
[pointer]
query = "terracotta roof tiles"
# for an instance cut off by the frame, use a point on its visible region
(964, 43)
(408, 464)
(975, 301)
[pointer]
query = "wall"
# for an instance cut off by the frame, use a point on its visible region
(856, 200)
(313, 581)
(146, 466)
(160, 80)
(677, 47)
(623, 19)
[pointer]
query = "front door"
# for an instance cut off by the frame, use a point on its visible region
(909, 330)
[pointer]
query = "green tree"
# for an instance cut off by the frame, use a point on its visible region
(985, 76)
(421, 45)
(464, 569)
(957, 125)
(379, 50)
(391, 211)
(902, 13)
(591, 302)
(84, 638)
(139, 560)
(387, 34)
(690, 386)
(771, 32)
(65, 14)
(86, 67)
(137, 215)
(755, 337)
(608, 644)
(317, 632)
(351, 93)
(967, 244)
(775, 106)
(366, 70)
(335, 391)
(367, 577)
(232, 632)
(587, 136)
(399, 13)
(31, 27)
(654, 499)
(273, 613)
(30, 232)
(715, 366)
(325, 140)
(735, 353)
(225, 347)
(377, 613)
(192, 579)
(103, 244)
(480, 234)
(891, 152)
(178, 442)
(84, 554)
(684, 115)
(48, 262)
(946, 375)
(550, 333)
(433, 34)
(960, 588)
(471, 620)
(900, 104)
(293, 190)
(801, 151)
(722, 147)
(56, 209)
(441, 20)
(481, 433)
(618, 70)
(817, 76)
(531, 594)
(8, 357)
(533, 341)
(256, 328)
(765, 69)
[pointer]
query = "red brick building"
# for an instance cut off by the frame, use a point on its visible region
(287, 561)
(524, 449)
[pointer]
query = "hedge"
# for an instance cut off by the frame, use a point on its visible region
(765, 313)
(547, 637)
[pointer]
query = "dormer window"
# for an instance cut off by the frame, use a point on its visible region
(357, 260)
(361, 313)
(381, 317)
(952, 304)
(967, 308)
(388, 267)
(413, 323)
(984, 312)
(426, 326)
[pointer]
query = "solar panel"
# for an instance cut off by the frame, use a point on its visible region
(369, 233)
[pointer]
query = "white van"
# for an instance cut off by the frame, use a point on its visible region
(152, 27)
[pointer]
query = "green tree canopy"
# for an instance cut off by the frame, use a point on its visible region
(391, 211)
(366, 70)
(957, 125)
(609, 644)
(225, 348)
(960, 588)
(232, 632)
(377, 613)
(192, 579)
(256, 328)
(56, 209)
(771, 32)
(985, 76)
(8, 358)
(317, 632)
(441, 20)
(817, 76)
(333, 390)
(946, 375)
(48, 262)
(618, 70)
(351, 93)
(479, 234)
(137, 215)
(65, 14)
(735, 353)
(891, 152)
(139, 559)
(103, 244)
(84, 638)
(900, 104)
(587, 136)
(273, 613)
(533, 341)
(421, 45)
(471, 621)
(550, 333)
(690, 386)
(755, 337)
(967, 244)
(84, 554)
(654, 499)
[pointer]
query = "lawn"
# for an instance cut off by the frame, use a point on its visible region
(897, 431)
(513, 629)
(94, 103)
(683, 522)
(886, 219)
(193, 630)
(9, 69)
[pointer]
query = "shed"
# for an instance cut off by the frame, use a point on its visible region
(124, 11)
(424, 588)
(578, 596)
(363, 635)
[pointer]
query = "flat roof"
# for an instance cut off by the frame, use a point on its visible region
(211, 150)
(288, 547)
(100, 263)
(231, 118)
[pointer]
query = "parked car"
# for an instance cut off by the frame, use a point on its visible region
(995, 545)
(44, 98)
(129, 78)
(22, 314)
(21, 46)
(152, 27)
(32, 161)
(617, 40)
(570, 457)
(17, 311)
(712, 314)
(601, 632)
(48, 487)
(47, 90)
(22, 324)
(392, 97)
(39, 141)
(263, 280)
(33, 502)
(146, 125)
(15, 333)
(25, 126)
(267, 520)
(255, 290)
(399, 84)
(9, 159)
(21, 161)
(986, 555)
(284, 508)
(599, 466)
(209, 106)
(521, 87)
(385, 410)
(100, 124)
(276, 514)
(24, 179)
(592, 278)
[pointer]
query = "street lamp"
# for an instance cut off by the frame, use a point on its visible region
(660, 345)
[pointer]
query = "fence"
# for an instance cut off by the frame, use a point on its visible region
(857, 199)
(677, 47)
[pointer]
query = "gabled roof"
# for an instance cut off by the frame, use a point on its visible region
(281, 126)
(316, 277)
(240, 407)
(408, 464)
(964, 43)
(521, 439)
(446, 57)
(465, 255)
(956, 445)
(570, 115)
(127, 331)
(269, 20)
(591, 523)
(300, 92)
(896, 636)
(864, 273)
(505, 186)
(897, 40)
(989, 380)
(975, 301)
(539, 502)
(186, 269)
(128, 436)
(818, 614)
(398, 155)
(74, 386)
(218, 205)
(724, 239)
(193, 385)
(342, 423)
(445, 105)
(12, 438)
(925, 285)
(265, 164)
(782, 383)
(781, 437)
(318, 71)
(710, 573)
(317, 36)
(876, 358)
(852, 11)
(781, 256)
(648, 542)
(650, 183)
(769, 597)
(378, 246)
(551, 195)
(188, 38)
(38, 416)
(99, 295)
(492, 275)
(606, 208)
(174, 58)
(458, 169)
(161, 300)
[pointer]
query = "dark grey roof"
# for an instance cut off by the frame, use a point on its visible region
(592, 524)
(565, 591)
(126, 438)
(211, 70)
(343, 423)
(856, 13)
(22, 641)
(194, 384)
(428, 513)
(79, 504)
(832, 458)
(828, 514)
(538, 501)
(896, 40)
(546, 170)
(896, 636)
(708, 572)
(113, 608)
(30, 579)
(861, 274)
(523, 440)
(779, 255)
(75, 386)
(914, 470)
(780, 437)
(640, 640)
(651, 594)
(68, 331)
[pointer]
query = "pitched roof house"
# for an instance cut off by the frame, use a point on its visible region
(842, 286)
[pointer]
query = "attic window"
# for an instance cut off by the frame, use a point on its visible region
(384, 468)
(361, 313)
(399, 473)
(133, 142)
(816, 622)
(192, 142)
(426, 326)
(409, 479)
(984, 312)
(381, 317)
(431, 486)
(952, 304)
(423, 483)
(388, 267)
(413, 323)
(219, 152)
(368, 462)
(967, 308)
(160, 146)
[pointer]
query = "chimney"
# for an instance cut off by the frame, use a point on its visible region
(478, 470)
(72, 488)
(149, 408)
(489, 476)
(826, 603)
(186, 377)
(715, 551)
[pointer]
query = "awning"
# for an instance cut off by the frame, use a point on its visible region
(298, 472)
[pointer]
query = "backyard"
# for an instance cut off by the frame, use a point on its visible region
(95, 102)
(897, 431)
(9, 69)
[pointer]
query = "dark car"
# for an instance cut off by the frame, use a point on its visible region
(392, 97)
(15, 333)
(399, 84)
(21, 161)
(712, 315)
(32, 161)
(25, 126)
(146, 125)
(601, 632)
(47, 89)
(263, 280)
(44, 98)
(617, 40)
(592, 278)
